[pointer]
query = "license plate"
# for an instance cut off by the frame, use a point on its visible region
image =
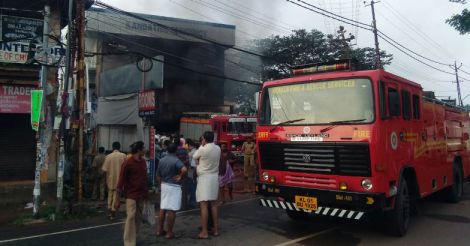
(306, 202)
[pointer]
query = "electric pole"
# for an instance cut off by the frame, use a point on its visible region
(459, 95)
(378, 63)
(81, 91)
(66, 76)
(40, 152)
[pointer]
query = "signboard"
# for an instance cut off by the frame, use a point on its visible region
(15, 99)
(148, 104)
(16, 28)
(36, 104)
(19, 34)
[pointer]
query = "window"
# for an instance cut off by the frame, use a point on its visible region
(416, 108)
(382, 100)
(349, 101)
(406, 104)
(224, 127)
(393, 102)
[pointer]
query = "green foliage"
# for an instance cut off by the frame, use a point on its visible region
(304, 47)
(461, 22)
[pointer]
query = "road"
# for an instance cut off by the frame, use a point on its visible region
(245, 223)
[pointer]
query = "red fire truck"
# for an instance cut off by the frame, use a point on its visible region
(349, 144)
(231, 129)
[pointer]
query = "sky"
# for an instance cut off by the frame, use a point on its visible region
(418, 25)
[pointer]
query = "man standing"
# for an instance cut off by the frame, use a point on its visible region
(133, 185)
(170, 174)
(207, 189)
(182, 154)
(248, 150)
(98, 178)
(112, 167)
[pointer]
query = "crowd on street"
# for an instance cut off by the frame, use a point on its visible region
(188, 174)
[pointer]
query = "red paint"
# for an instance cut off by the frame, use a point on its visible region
(15, 99)
(429, 144)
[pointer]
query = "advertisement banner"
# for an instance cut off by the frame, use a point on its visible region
(148, 103)
(36, 105)
(15, 99)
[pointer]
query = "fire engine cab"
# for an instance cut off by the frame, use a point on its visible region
(230, 129)
(348, 144)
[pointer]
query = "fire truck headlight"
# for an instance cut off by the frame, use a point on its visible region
(265, 176)
(366, 184)
(272, 179)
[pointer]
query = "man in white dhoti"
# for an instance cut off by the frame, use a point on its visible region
(169, 174)
(207, 192)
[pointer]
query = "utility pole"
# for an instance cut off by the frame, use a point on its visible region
(459, 95)
(378, 63)
(40, 154)
(81, 91)
(66, 76)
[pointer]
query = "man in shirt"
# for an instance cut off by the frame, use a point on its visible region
(208, 156)
(112, 167)
(170, 175)
(98, 178)
(248, 150)
(133, 185)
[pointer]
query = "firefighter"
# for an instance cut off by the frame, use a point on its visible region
(248, 150)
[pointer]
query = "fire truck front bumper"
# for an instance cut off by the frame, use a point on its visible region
(340, 204)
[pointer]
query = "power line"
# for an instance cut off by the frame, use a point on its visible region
(429, 59)
(117, 20)
(331, 13)
(385, 37)
(166, 62)
(405, 33)
(176, 65)
(117, 10)
(414, 58)
(332, 17)
(415, 29)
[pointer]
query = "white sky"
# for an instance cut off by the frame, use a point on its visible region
(418, 25)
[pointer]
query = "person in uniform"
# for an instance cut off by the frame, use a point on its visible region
(249, 151)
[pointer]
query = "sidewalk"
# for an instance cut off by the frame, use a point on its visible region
(8, 214)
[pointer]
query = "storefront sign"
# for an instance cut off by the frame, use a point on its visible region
(148, 104)
(19, 35)
(15, 99)
(36, 105)
(15, 28)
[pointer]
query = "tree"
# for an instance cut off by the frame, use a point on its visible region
(303, 47)
(461, 22)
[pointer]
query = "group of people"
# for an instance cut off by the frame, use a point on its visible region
(186, 173)
(211, 178)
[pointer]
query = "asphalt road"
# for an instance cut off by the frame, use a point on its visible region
(245, 223)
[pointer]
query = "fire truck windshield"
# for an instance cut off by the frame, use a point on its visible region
(241, 127)
(322, 102)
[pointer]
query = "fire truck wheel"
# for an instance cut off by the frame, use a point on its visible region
(455, 191)
(297, 216)
(398, 219)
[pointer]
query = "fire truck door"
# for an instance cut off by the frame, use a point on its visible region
(393, 126)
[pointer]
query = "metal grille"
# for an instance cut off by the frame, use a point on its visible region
(352, 159)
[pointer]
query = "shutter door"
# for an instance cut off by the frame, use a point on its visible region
(17, 147)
